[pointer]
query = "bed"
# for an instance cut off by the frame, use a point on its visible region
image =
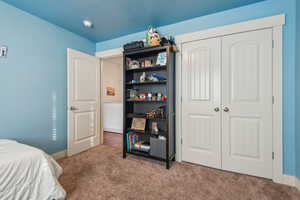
(27, 173)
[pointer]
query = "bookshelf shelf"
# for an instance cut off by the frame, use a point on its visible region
(144, 101)
(146, 132)
(147, 83)
(142, 115)
(147, 155)
(144, 69)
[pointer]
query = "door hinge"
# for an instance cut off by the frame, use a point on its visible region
(273, 44)
(273, 99)
(181, 140)
(273, 155)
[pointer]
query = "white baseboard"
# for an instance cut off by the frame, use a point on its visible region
(288, 180)
(113, 130)
(291, 181)
(60, 155)
(297, 183)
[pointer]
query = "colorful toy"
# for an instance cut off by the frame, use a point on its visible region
(143, 77)
(153, 37)
(156, 77)
(149, 96)
(142, 96)
(159, 96)
(132, 93)
(132, 64)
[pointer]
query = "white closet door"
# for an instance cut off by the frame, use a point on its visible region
(200, 102)
(247, 103)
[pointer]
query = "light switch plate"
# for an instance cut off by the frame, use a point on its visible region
(3, 51)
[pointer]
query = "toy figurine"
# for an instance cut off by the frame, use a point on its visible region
(153, 37)
(132, 93)
(154, 128)
(142, 96)
(156, 77)
(149, 96)
(143, 77)
(159, 96)
(132, 64)
(156, 113)
(148, 63)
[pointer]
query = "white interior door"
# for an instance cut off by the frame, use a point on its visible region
(200, 102)
(247, 103)
(83, 101)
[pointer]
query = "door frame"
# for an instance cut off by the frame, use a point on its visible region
(104, 55)
(276, 23)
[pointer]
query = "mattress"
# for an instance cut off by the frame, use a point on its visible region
(27, 173)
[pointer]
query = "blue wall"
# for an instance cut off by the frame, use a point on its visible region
(32, 76)
(297, 89)
(258, 10)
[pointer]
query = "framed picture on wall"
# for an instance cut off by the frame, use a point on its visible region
(110, 91)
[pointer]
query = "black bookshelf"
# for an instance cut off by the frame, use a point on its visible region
(160, 145)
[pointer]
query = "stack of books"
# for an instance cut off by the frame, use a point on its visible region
(135, 143)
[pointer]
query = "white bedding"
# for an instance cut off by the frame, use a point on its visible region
(27, 173)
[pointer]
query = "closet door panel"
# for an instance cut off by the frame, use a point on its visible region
(247, 103)
(200, 101)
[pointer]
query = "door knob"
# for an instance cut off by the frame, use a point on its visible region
(72, 108)
(226, 109)
(217, 109)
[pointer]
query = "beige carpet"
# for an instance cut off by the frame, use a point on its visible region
(102, 173)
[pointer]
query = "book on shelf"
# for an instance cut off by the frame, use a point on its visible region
(135, 142)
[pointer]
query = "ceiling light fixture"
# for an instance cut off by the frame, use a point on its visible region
(88, 23)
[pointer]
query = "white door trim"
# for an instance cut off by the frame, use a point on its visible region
(109, 53)
(262, 23)
(274, 22)
(102, 55)
(297, 183)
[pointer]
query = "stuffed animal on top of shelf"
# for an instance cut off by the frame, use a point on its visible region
(153, 37)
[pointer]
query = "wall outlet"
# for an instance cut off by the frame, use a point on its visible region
(3, 51)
